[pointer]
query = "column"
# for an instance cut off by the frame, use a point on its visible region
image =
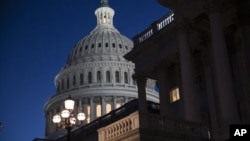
(93, 71)
(122, 76)
(142, 101)
(126, 99)
(163, 91)
(103, 103)
(114, 102)
(189, 94)
(92, 109)
(80, 105)
(244, 57)
(49, 127)
(226, 102)
(85, 110)
(243, 18)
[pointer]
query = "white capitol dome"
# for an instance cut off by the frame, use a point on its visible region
(96, 74)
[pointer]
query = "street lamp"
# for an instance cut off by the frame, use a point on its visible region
(66, 119)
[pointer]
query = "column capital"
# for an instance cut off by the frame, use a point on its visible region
(213, 6)
(183, 25)
(141, 80)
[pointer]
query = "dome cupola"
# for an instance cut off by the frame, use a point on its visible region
(103, 43)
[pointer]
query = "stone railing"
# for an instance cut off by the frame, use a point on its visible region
(155, 27)
(119, 128)
(159, 123)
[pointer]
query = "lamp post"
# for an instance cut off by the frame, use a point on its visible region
(66, 119)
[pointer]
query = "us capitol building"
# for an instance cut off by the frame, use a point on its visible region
(201, 66)
(96, 74)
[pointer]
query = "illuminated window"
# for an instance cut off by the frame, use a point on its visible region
(174, 94)
(88, 114)
(118, 105)
(98, 76)
(98, 110)
(108, 108)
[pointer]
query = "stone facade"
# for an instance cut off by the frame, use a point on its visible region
(202, 64)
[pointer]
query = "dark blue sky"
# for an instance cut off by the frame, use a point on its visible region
(36, 37)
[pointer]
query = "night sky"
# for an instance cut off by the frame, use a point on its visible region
(36, 37)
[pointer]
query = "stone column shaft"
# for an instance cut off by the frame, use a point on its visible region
(114, 102)
(103, 103)
(189, 94)
(163, 91)
(92, 109)
(226, 103)
(141, 83)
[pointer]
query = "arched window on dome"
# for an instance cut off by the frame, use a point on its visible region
(98, 76)
(62, 86)
(74, 80)
(89, 78)
(58, 86)
(67, 83)
(108, 79)
(81, 79)
(117, 77)
(125, 77)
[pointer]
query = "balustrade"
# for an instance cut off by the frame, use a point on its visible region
(155, 27)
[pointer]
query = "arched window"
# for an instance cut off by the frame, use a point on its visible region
(58, 86)
(118, 105)
(98, 110)
(74, 80)
(98, 76)
(108, 108)
(67, 83)
(117, 77)
(108, 80)
(81, 79)
(89, 78)
(125, 77)
(62, 87)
